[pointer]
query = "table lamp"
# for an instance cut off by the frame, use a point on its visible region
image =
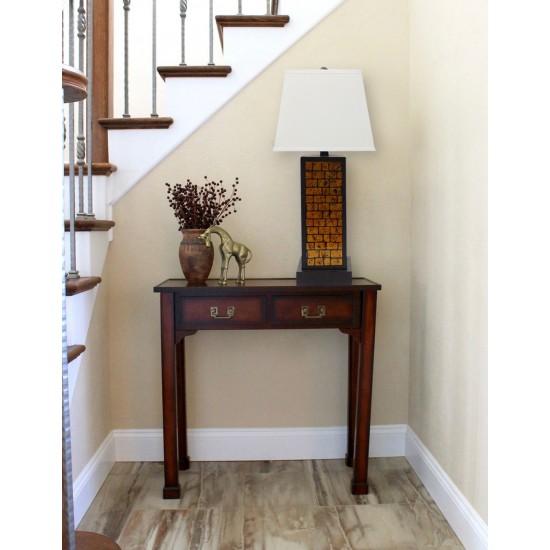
(323, 110)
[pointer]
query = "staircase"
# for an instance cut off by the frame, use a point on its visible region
(74, 90)
(125, 149)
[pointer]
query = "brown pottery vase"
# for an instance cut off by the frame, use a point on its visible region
(195, 257)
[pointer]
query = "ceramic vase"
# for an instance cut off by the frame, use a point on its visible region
(195, 257)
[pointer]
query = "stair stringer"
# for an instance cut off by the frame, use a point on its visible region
(192, 101)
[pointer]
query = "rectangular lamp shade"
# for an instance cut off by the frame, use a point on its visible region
(323, 110)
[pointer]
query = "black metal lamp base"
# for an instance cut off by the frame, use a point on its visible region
(324, 276)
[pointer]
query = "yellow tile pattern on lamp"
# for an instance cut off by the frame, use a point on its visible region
(324, 213)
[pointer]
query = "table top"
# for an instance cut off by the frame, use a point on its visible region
(253, 286)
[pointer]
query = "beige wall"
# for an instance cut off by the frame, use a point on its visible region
(448, 374)
(90, 415)
(284, 378)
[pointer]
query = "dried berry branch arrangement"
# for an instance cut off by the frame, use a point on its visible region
(199, 207)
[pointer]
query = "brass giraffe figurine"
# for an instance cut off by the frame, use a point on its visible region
(228, 249)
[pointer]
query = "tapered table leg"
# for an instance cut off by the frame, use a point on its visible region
(172, 488)
(353, 367)
(181, 404)
(359, 485)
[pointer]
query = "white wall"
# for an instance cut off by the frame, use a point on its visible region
(448, 366)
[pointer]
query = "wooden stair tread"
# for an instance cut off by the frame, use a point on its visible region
(85, 540)
(75, 84)
(81, 284)
(223, 21)
(98, 169)
(136, 123)
(190, 71)
(90, 224)
(75, 351)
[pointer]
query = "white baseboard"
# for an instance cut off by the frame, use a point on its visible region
(259, 444)
(286, 444)
(90, 480)
(465, 521)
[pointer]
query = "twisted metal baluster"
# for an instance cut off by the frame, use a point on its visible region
(80, 140)
(183, 15)
(69, 542)
(72, 273)
(154, 63)
(126, 7)
(68, 537)
(211, 62)
(89, 106)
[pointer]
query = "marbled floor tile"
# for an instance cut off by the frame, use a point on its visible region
(328, 534)
(232, 513)
(150, 498)
(125, 468)
(278, 505)
(394, 527)
(278, 490)
(269, 527)
(202, 486)
(171, 530)
(278, 511)
(392, 482)
(114, 502)
(282, 466)
(332, 480)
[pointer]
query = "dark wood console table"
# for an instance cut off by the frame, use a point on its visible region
(266, 304)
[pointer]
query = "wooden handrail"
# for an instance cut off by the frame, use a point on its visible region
(75, 84)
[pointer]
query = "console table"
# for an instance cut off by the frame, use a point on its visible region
(266, 304)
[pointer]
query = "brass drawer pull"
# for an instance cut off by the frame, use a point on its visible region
(214, 313)
(321, 311)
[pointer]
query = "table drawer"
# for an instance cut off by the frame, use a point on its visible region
(214, 312)
(316, 310)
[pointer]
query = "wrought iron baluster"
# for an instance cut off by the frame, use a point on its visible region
(154, 63)
(68, 537)
(211, 62)
(240, 3)
(268, 7)
(183, 15)
(126, 7)
(72, 273)
(89, 107)
(80, 140)
(69, 542)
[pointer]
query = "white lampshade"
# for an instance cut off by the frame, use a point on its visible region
(323, 110)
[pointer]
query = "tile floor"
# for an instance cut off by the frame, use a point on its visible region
(281, 505)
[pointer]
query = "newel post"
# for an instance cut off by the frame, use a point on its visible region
(102, 71)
